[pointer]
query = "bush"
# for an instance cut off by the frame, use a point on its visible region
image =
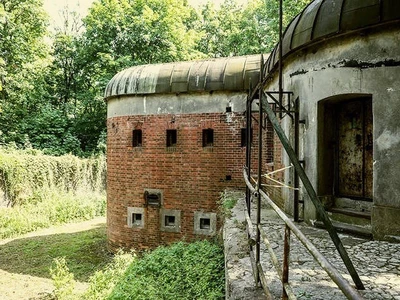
(180, 271)
(103, 282)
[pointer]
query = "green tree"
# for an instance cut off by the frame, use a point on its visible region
(234, 29)
(23, 59)
(121, 34)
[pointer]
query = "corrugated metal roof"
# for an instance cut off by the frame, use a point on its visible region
(323, 19)
(220, 74)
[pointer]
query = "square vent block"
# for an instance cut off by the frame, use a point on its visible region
(153, 197)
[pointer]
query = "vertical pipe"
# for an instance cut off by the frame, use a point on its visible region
(259, 175)
(280, 58)
(248, 148)
(286, 253)
(296, 150)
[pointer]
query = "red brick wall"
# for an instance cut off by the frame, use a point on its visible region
(190, 176)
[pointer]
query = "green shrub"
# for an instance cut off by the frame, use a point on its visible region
(180, 271)
(103, 282)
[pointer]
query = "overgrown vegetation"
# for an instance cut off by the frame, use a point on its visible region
(39, 190)
(50, 208)
(26, 175)
(180, 271)
(227, 201)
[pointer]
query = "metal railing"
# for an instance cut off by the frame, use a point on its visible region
(283, 271)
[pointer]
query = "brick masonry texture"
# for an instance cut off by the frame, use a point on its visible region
(190, 176)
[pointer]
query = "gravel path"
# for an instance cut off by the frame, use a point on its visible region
(377, 262)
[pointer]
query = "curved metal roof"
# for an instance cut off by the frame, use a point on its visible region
(228, 74)
(322, 19)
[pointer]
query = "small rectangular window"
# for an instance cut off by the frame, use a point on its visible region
(169, 221)
(208, 137)
(171, 137)
(205, 223)
(137, 138)
(243, 137)
(137, 219)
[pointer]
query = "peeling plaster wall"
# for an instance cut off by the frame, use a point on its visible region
(363, 64)
(175, 104)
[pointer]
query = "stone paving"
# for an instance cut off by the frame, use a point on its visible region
(377, 262)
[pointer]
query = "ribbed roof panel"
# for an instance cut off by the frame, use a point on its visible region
(230, 74)
(323, 19)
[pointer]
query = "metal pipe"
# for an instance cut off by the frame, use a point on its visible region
(248, 147)
(275, 263)
(259, 170)
(286, 253)
(264, 282)
(296, 150)
(342, 283)
(251, 233)
(280, 58)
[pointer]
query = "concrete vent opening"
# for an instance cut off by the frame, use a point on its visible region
(137, 219)
(170, 221)
(153, 197)
(205, 223)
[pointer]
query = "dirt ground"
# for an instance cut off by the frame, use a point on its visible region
(21, 286)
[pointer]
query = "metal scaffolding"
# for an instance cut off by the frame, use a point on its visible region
(269, 106)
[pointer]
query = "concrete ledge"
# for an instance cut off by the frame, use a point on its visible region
(238, 272)
(386, 223)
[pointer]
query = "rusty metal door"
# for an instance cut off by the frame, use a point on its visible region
(354, 153)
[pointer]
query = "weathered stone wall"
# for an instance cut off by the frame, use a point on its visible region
(350, 66)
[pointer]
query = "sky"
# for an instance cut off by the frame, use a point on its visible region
(53, 7)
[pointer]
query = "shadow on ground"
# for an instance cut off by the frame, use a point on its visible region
(84, 251)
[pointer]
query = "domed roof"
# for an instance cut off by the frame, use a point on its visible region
(227, 74)
(322, 19)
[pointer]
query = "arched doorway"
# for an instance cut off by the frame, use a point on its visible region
(345, 156)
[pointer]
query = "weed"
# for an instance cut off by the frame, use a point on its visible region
(63, 279)
(103, 282)
(227, 201)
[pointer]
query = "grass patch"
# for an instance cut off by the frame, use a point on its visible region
(50, 208)
(85, 253)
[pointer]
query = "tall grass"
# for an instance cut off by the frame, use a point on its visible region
(37, 191)
(24, 173)
(50, 208)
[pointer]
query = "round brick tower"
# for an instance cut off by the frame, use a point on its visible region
(175, 142)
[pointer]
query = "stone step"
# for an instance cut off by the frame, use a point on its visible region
(364, 231)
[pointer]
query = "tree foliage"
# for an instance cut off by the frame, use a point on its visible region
(52, 85)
